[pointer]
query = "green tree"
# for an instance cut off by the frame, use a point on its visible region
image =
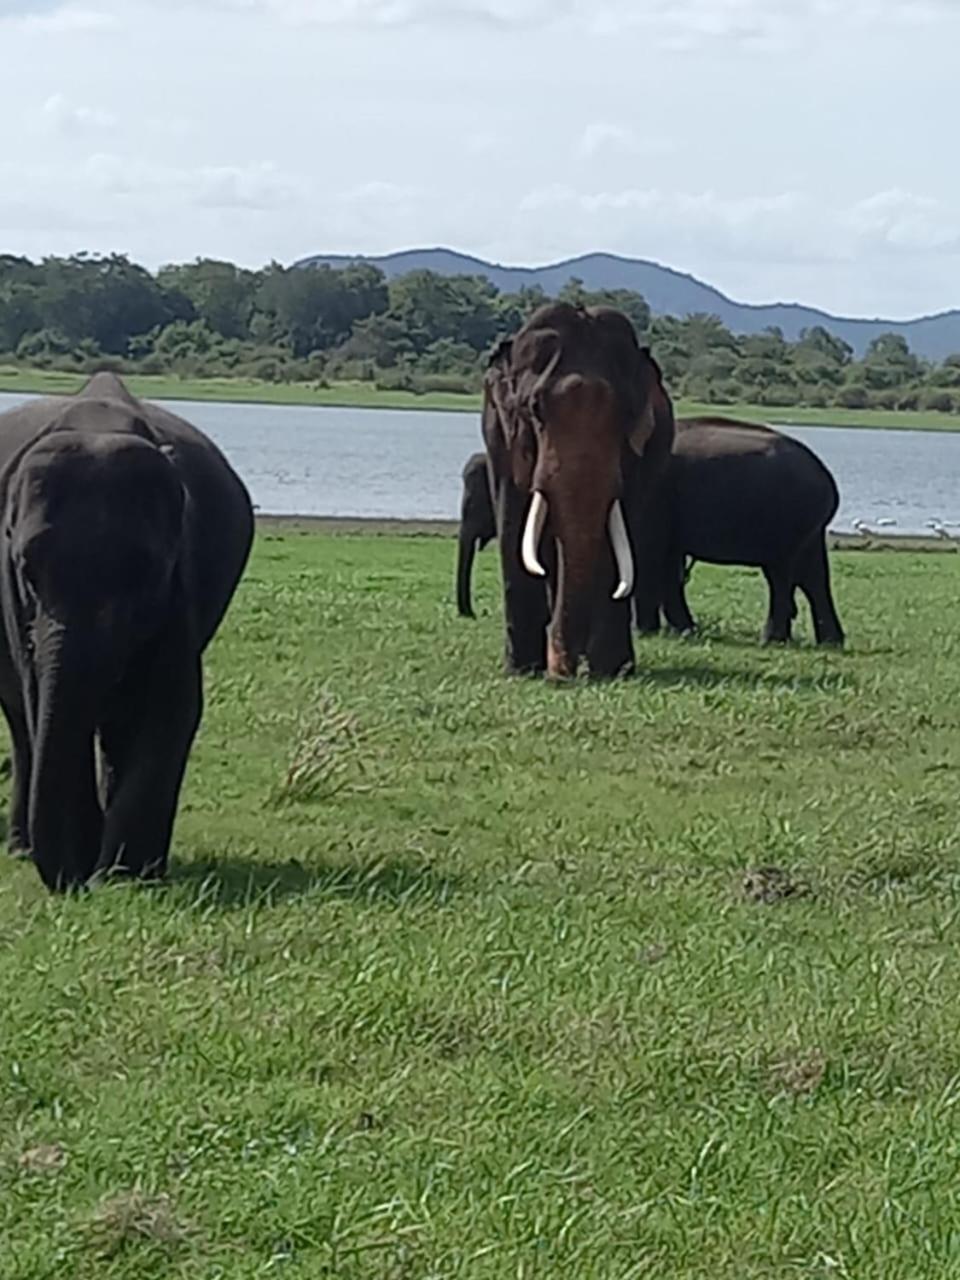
(888, 363)
(316, 307)
(107, 299)
(221, 294)
(430, 307)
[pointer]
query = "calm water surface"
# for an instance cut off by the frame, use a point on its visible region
(405, 464)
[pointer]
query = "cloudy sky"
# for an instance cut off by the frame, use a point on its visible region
(780, 149)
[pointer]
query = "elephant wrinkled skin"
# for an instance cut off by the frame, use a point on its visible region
(124, 534)
(578, 428)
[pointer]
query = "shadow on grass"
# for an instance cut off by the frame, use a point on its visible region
(230, 883)
(716, 677)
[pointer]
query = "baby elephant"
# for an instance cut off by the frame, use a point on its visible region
(124, 535)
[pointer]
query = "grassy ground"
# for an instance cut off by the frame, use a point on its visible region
(361, 395)
(465, 977)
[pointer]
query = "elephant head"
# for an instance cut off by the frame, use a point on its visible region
(576, 410)
(93, 517)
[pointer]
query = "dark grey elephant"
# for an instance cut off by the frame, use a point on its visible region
(739, 493)
(124, 534)
(478, 526)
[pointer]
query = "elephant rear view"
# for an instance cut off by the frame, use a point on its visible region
(741, 493)
(125, 532)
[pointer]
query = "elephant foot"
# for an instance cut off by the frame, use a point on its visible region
(624, 672)
(17, 850)
(522, 672)
(124, 866)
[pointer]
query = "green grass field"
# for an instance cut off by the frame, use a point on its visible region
(363, 395)
(466, 977)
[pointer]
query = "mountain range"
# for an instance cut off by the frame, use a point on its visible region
(671, 293)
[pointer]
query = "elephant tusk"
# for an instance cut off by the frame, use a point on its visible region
(532, 533)
(621, 551)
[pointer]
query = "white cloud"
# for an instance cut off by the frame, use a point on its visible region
(62, 116)
(783, 227)
(606, 138)
(899, 220)
(54, 18)
(673, 23)
(251, 187)
(399, 13)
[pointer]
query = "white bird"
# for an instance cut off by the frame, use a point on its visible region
(938, 528)
(886, 523)
(861, 528)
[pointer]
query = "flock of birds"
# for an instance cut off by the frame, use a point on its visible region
(940, 527)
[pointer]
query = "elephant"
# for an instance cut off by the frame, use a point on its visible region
(478, 526)
(124, 534)
(578, 430)
(740, 493)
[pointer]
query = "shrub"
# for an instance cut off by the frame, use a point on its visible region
(818, 397)
(780, 394)
(450, 383)
(939, 401)
(886, 399)
(399, 378)
(853, 397)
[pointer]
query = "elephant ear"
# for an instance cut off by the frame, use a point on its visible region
(507, 432)
(652, 417)
(534, 360)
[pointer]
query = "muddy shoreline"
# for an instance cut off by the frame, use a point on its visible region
(345, 525)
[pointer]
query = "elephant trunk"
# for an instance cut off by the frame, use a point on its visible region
(466, 551)
(65, 818)
(591, 545)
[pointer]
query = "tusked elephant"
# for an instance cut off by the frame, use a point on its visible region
(578, 429)
(124, 534)
(739, 493)
(478, 526)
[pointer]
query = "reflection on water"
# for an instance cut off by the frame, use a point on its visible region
(406, 464)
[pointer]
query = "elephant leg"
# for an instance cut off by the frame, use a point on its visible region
(813, 578)
(524, 596)
(646, 607)
(610, 644)
(18, 829)
(675, 606)
(782, 608)
(145, 746)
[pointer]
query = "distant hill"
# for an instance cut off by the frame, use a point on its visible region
(670, 293)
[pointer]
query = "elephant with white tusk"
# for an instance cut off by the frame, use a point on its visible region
(578, 429)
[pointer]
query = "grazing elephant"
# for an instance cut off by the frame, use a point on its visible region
(478, 526)
(737, 493)
(124, 534)
(578, 430)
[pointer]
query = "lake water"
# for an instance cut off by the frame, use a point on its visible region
(406, 464)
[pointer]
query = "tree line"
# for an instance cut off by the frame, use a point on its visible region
(419, 332)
